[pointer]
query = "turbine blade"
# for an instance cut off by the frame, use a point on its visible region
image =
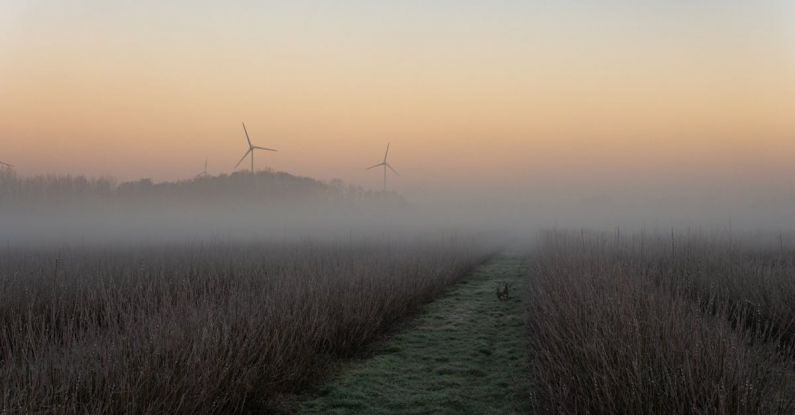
(377, 165)
(243, 158)
(247, 138)
(393, 170)
(263, 148)
(387, 151)
(6, 164)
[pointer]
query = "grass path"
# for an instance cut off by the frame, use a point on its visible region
(466, 354)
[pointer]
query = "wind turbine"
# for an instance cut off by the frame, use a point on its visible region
(204, 172)
(386, 165)
(251, 148)
(2, 163)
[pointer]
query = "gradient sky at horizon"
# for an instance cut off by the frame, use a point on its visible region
(543, 94)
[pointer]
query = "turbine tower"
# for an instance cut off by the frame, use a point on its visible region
(251, 149)
(204, 172)
(386, 166)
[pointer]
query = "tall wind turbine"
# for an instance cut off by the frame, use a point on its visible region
(251, 149)
(386, 165)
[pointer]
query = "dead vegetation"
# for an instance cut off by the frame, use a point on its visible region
(218, 328)
(658, 325)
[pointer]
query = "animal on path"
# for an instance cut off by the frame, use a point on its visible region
(502, 291)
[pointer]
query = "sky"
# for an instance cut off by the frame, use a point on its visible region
(566, 98)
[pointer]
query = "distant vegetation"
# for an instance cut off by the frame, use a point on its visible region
(211, 329)
(674, 325)
(52, 210)
(263, 187)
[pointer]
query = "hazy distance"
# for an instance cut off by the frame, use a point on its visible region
(607, 113)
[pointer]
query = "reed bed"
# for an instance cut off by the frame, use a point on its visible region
(215, 328)
(652, 325)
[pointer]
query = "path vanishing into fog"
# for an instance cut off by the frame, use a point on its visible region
(467, 353)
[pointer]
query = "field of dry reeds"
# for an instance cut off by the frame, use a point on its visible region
(213, 328)
(661, 324)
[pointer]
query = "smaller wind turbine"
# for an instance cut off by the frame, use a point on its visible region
(386, 165)
(204, 172)
(251, 148)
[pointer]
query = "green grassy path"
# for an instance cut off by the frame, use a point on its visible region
(466, 354)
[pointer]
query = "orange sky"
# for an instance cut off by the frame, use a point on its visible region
(470, 90)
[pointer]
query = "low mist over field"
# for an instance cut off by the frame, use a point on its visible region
(278, 205)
